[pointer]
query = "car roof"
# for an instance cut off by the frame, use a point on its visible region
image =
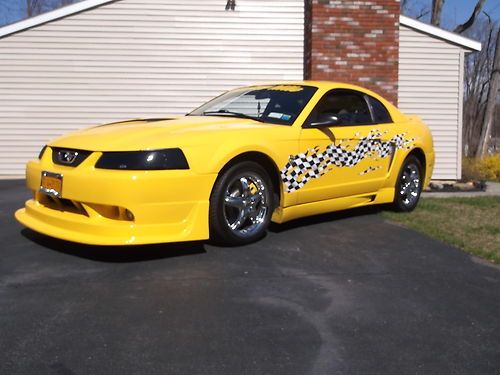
(326, 85)
(331, 85)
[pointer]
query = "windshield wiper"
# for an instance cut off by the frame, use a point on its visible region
(231, 113)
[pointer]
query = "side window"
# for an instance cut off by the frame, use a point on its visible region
(380, 113)
(348, 106)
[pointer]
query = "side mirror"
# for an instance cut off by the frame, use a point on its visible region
(325, 120)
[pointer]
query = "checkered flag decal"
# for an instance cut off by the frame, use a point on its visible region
(313, 164)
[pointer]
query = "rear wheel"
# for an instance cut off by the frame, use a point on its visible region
(241, 204)
(409, 185)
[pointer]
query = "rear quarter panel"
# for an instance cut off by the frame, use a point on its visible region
(417, 130)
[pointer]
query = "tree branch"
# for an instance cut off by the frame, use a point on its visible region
(423, 14)
(477, 9)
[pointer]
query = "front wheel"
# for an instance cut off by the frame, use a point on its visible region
(241, 204)
(409, 185)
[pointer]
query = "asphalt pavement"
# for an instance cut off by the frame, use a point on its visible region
(344, 293)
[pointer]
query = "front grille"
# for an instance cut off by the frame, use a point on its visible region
(61, 204)
(86, 209)
(69, 157)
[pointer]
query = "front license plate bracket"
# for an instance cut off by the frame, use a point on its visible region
(51, 184)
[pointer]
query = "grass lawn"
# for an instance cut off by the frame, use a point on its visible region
(471, 224)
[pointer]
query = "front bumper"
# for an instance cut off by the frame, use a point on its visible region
(166, 206)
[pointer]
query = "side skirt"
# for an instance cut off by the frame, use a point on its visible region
(282, 215)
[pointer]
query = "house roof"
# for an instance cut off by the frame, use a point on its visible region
(88, 4)
(440, 33)
(51, 16)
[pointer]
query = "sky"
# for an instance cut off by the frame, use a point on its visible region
(456, 12)
(15, 10)
(465, 7)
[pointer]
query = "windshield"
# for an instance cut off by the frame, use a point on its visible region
(278, 104)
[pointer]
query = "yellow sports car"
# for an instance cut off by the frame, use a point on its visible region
(273, 152)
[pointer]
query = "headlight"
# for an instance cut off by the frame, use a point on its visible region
(42, 151)
(170, 158)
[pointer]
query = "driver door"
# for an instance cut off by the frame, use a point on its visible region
(344, 157)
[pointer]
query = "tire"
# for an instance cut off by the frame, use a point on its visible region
(241, 205)
(408, 185)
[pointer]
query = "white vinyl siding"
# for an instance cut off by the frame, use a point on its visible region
(430, 85)
(137, 58)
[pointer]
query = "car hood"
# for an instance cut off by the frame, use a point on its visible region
(150, 134)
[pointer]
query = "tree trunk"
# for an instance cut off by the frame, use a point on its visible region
(29, 9)
(437, 9)
(491, 103)
(461, 28)
(32, 8)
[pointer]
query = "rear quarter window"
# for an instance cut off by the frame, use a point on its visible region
(380, 113)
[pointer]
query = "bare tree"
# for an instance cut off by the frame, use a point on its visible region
(417, 9)
(480, 93)
(36, 7)
(482, 84)
(437, 10)
(477, 9)
(12, 11)
(33, 7)
(490, 102)
(478, 71)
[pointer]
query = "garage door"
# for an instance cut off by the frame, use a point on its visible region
(137, 58)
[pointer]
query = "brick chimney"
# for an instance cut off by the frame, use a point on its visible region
(354, 41)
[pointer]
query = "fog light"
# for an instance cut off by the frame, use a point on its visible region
(129, 215)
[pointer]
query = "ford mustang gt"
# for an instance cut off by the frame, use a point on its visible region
(253, 155)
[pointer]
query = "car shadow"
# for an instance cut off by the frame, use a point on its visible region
(141, 253)
(116, 254)
(323, 218)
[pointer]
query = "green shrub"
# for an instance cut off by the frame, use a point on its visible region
(487, 168)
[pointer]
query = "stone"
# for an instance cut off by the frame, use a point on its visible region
(461, 186)
(436, 186)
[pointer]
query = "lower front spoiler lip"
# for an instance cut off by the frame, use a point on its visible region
(105, 232)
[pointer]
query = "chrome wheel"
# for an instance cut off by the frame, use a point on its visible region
(241, 204)
(409, 185)
(246, 204)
